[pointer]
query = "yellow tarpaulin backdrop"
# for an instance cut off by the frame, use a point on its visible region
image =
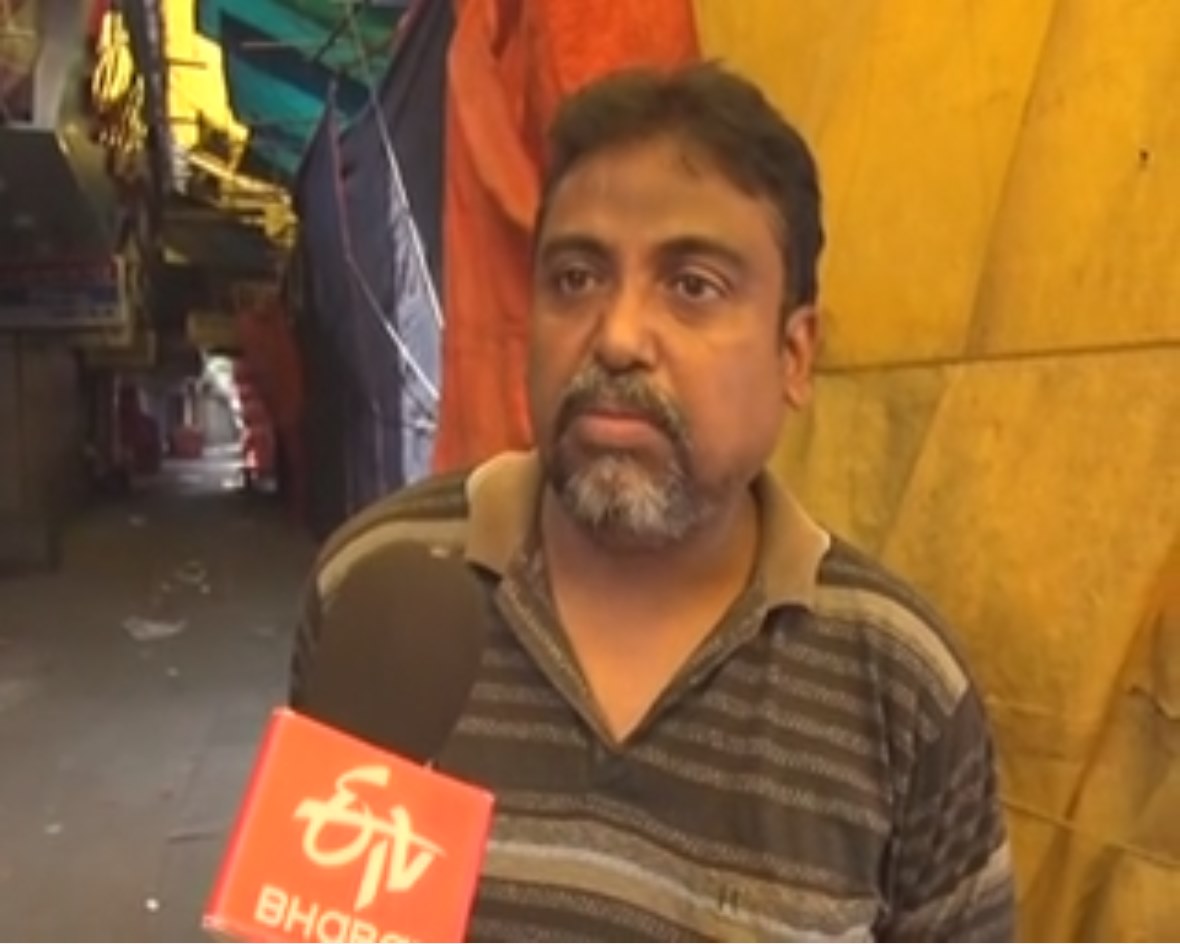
(999, 409)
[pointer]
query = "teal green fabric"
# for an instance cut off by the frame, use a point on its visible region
(282, 57)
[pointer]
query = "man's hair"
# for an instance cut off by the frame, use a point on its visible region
(724, 117)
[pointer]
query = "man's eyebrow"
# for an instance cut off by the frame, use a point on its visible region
(676, 247)
(573, 244)
(705, 246)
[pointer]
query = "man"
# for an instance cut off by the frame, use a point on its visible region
(704, 718)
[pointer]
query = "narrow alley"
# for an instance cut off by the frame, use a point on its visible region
(134, 682)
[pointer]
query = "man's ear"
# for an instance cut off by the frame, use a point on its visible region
(800, 346)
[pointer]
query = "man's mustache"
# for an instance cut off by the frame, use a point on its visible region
(595, 390)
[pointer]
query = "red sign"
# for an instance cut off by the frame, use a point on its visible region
(340, 841)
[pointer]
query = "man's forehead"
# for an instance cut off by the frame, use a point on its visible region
(619, 166)
(654, 199)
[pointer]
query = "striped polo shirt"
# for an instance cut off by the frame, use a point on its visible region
(820, 770)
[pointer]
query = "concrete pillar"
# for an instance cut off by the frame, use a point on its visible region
(41, 447)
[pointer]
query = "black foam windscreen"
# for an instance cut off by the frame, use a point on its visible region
(400, 644)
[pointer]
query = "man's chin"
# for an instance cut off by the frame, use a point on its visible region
(614, 471)
(576, 457)
(624, 504)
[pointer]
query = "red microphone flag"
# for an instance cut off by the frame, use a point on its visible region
(338, 840)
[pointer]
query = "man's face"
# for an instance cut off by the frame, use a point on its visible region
(659, 366)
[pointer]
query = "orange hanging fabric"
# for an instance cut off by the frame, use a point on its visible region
(511, 63)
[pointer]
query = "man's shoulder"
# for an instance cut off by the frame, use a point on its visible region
(862, 595)
(432, 511)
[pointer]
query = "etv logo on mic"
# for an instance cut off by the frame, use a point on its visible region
(337, 840)
(389, 846)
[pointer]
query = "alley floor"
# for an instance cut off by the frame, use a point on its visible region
(134, 683)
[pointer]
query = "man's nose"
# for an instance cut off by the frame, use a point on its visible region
(626, 339)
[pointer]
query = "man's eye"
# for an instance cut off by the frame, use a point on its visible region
(574, 281)
(693, 287)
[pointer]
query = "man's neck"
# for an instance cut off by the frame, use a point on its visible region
(720, 554)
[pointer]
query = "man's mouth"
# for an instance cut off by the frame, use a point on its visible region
(617, 428)
(607, 412)
(622, 418)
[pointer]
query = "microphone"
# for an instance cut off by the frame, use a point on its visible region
(343, 834)
(399, 650)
